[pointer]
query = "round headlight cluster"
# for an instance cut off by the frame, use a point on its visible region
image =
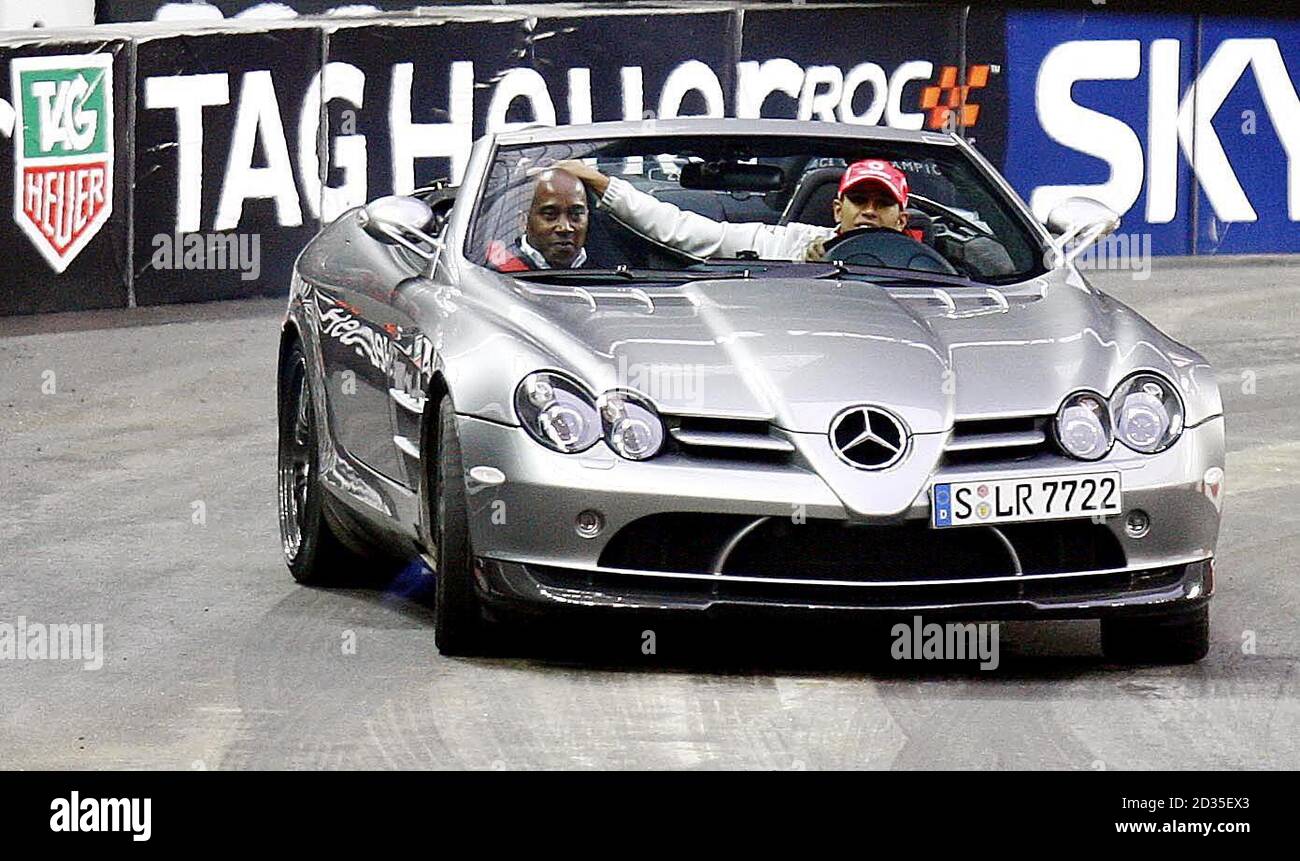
(557, 412)
(1147, 413)
(1083, 426)
(1144, 413)
(562, 415)
(631, 426)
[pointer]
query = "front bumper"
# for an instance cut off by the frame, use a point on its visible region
(530, 553)
(530, 589)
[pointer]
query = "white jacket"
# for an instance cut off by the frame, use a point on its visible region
(702, 236)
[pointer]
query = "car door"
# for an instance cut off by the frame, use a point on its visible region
(357, 346)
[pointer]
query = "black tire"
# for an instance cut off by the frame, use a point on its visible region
(1172, 639)
(459, 625)
(312, 551)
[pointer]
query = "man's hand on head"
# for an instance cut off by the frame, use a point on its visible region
(592, 178)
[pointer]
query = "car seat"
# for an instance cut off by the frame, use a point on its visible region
(812, 198)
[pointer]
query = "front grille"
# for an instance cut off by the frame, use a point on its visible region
(836, 550)
(976, 441)
(752, 440)
(844, 551)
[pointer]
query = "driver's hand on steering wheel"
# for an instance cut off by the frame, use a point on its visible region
(816, 251)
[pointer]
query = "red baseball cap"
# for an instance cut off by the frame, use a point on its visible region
(878, 171)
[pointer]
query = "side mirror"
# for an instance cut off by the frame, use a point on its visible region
(400, 220)
(1078, 222)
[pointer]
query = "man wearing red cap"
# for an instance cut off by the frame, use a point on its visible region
(872, 193)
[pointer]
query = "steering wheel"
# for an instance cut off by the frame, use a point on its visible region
(886, 247)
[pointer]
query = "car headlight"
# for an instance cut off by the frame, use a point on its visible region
(557, 412)
(1147, 413)
(1083, 426)
(631, 426)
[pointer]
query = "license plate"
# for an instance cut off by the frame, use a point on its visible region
(1015, 500)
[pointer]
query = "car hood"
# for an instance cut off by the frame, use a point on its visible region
(798, 351)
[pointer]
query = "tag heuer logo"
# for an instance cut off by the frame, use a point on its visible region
(63, 151)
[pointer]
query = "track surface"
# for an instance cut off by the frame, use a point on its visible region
(216, 659)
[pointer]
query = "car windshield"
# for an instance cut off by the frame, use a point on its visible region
(953, 222)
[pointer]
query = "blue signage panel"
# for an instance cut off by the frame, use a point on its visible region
(1189, 143)
(1093, 110)
(1247, 116)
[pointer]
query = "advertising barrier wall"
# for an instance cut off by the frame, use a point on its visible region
(429, 91)
(155, 165)
(226, 173)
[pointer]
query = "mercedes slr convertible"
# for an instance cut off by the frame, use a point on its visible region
(562, 395)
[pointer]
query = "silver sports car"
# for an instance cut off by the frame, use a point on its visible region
(698, 364)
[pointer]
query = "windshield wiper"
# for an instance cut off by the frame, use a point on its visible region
(625, 274)
(891, 273)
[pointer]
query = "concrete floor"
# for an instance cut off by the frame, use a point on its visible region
(216, 659)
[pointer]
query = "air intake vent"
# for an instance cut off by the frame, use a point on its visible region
(724, 437)
(961, 302)
(979, 440)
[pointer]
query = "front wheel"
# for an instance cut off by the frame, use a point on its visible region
(315, 556)
(1172, 639)
(459, 626)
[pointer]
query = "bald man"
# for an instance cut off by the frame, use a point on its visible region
(555, 230)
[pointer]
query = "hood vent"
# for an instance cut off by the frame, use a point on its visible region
(613, 298)
(964, 302)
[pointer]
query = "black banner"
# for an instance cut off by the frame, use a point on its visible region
(226, 190)
(66, 184)
(873, 73)
(986, 45)
(408, 101)
(1223, 812)
(903, 67)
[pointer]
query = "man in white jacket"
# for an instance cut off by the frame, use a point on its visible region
(872, 193)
